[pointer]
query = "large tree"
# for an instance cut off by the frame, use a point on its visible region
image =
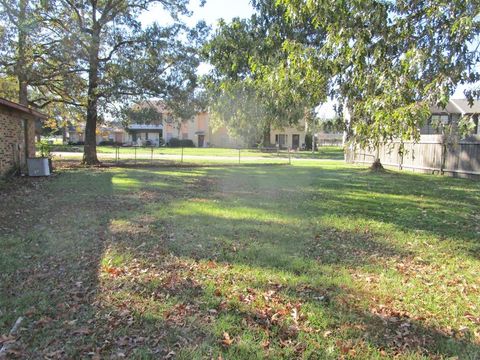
(390, 61)
(246, 93)
(34, 57)
(122, 61)
(384, 62)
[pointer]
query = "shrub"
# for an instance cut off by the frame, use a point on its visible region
(109, 143)
(45, 149)
(308, 142)
(174, 142)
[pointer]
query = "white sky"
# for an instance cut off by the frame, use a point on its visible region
(210, 12)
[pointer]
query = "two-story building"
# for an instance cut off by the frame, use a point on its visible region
(292, 137)
(199, 129)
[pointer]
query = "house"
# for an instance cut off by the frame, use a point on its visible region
(111, 134)
(198, 129)
(292, 137)
(17, 135)
(451, 114)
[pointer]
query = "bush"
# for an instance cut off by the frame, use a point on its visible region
(308, 142)
(76, 143)
(45, 149)
(174, 142)
(109, 143)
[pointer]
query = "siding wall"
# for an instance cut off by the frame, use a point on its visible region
(289, 132)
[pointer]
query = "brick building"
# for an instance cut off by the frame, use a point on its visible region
(17, 135)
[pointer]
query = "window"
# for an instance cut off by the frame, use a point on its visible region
(281, 140)
(434, 124)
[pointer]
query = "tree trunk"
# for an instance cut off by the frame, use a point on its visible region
(347, 118)
(377, 164)
(90, 148)
(266, 136)
(347, 134)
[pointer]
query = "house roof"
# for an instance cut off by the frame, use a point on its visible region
(464, 106)
(458, 106)
(144, 127)
(25, 109)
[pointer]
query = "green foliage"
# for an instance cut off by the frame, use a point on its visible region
(9, 88)
(330, 126)
(390, 60)
(45, 149)
(251, 88)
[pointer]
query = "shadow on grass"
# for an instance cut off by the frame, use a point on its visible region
(267, 241)
(119, 265)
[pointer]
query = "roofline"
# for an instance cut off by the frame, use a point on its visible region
(22, 108)
(457, 106)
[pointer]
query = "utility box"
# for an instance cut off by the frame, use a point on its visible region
(38, 167)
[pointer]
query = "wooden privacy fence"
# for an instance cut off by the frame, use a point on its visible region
(459, 159)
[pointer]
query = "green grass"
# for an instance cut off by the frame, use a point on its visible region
(319, 260)
(326, 152)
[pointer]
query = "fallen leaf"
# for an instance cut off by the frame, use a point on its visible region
(227, 341)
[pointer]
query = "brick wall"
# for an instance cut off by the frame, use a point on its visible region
(12, 143)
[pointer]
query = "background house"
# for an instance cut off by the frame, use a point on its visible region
(450, 115)
(199, 129)
(76, 134)
(292, 137)
(17, 134)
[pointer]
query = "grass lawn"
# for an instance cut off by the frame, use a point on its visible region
(324, 152)
(317, 260)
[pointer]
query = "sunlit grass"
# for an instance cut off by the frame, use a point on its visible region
(315, 260)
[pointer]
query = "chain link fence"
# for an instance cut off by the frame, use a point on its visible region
(162, 155)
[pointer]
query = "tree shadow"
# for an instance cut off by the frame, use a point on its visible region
(114, 267)
(255, 242)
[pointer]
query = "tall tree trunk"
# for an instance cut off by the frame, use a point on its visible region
(90, 149)
(347, 118)
(377, 164)
(266, 136)
(348, 153)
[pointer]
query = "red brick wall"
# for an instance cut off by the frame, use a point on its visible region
(12, 143)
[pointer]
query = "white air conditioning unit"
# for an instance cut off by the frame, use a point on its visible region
(38, 167)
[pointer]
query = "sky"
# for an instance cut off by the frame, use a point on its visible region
(210, 12)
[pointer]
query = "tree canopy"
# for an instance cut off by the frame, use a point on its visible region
(385, 62)
(97, 56)
(251, 87)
